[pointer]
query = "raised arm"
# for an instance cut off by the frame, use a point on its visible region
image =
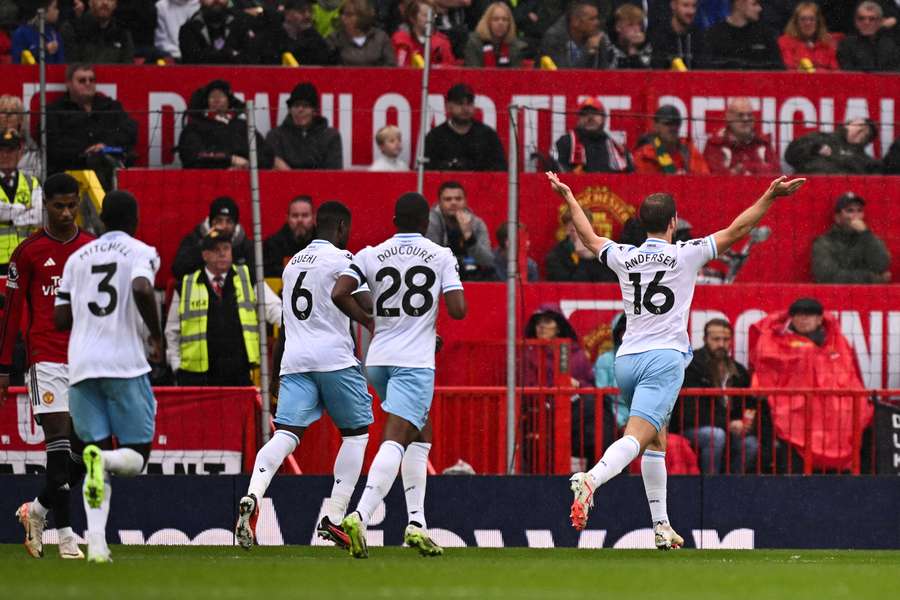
(748, 219)
(583, 227)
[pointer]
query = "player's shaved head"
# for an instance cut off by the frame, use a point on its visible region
(60, 184)
(120, 212)
(656, 212)
(333, 223)
(411, 213)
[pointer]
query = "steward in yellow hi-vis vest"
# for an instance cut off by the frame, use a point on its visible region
(21, 199)
(218, 335)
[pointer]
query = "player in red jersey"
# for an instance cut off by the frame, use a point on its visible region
(35, 270)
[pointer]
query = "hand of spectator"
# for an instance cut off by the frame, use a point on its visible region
(888, 23)
(593, 43)
(533, 17)
(253, 11)
(239, 162)
(52, 47)
(94, 149)
(156, 350)
(464, 218)
(736, 427)
(783, 187)
(4, 387)
(858, 225)
(825, 151)
(883, 277)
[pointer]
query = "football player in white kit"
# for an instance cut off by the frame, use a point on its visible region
(407, 275)
(657, 281)
(318, 370)
(105, 293)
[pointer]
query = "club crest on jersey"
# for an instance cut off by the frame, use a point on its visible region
(608, 211)
(48, 398)
(13, 273)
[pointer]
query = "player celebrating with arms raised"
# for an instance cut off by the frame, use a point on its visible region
(35, 271)
(106, 290)
(657, 281)
(407, 275)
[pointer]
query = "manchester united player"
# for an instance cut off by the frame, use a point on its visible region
(35, 270)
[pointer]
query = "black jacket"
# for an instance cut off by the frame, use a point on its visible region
(317, 147)
(703, 411)
(751, 47)
(189, 257)
(478, 150)
(597, 149)
(841, 256)
(279, 248)
(561, 265)
(70, 130)
(892, 159)
(209, 143)
(310, 48)
(86, 42)
(804, 154)
(878, 53)
(668, 45)
(196, 40)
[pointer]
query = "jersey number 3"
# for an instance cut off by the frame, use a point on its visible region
(653, 290)
(104, 287)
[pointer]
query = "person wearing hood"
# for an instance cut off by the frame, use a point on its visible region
(294, 236)
(96, 36)
(304, 140)
(170, 16)
(849, 252)
(589, 148)
(217, 35)
(224, 219)
(840, 151)
(215, 133)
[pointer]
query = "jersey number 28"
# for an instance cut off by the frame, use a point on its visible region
(412, 290)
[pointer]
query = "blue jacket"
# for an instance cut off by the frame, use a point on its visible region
(26, 37)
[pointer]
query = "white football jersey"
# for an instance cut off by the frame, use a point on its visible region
(317, 333)
(106, 339)
(657, 281)
(407, 274)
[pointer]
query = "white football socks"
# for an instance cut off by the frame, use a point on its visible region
(414, 471)
(653, 471)
(96, 517)
(347, 466)
(382, 474)
(617, 457)
(123, 461)
(269, 459)
(38, 509)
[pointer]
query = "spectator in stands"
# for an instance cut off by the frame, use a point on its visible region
(708, 421)
(849, 252)
(13, 116)
(97, 37)
(86, 129)
(461, 143)
(501, 254)
(804, 348)
(295, 235)
(631, 50)
(215, 133)
(138, 17)
(304, 140)
(662, 151)
(27, 37)
(570, 260)
(806, 42)
(170, 16)
(533, 19)
(224, 219)
(357, 42)
(679, 37)
(840, 151)
(870, 48)
(741, 41)
(217, 35)
(737, 148)
(390, 144)
(298, 35)
(589, 148)
(211, 329)
(452, 19)
(409, 39)
(710, 12)
(21, 199)
(326, 14)
(495, 42)
(452, 224)
(605, 375)
(576, 40)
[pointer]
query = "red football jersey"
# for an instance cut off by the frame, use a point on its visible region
(35, 270)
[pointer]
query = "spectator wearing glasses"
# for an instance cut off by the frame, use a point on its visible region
(871, 48)
(849, 252)
(806, 42)
(737, 149)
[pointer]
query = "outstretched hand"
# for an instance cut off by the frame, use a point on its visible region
(783, 187)
(558, 186)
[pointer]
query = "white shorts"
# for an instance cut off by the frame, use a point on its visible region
(48, 387)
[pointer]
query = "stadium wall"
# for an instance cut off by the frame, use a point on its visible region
(710, 512)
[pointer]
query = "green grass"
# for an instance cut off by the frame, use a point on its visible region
(297, 572)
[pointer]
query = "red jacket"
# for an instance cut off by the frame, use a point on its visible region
(725, 156)
(822, 54)
(406, 44)
(781, 358)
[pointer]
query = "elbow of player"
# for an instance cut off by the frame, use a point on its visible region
(458, 313)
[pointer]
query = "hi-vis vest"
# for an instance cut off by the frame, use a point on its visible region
(10, 235)
(193, 310)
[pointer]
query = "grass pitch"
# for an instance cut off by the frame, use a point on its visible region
(176, 572)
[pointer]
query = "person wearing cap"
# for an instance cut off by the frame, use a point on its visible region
(662, 151)
(297, 35)
(215, 131)
(576, 40)
(741, 41)
(304, 140)
(849, 252)
(677, 38)
(589, 148)
(835, 152)
(212, 337)
(462, 143)
(737, 149)
(217, 35)
(21, 198)
(224, 219)
(357, 42)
